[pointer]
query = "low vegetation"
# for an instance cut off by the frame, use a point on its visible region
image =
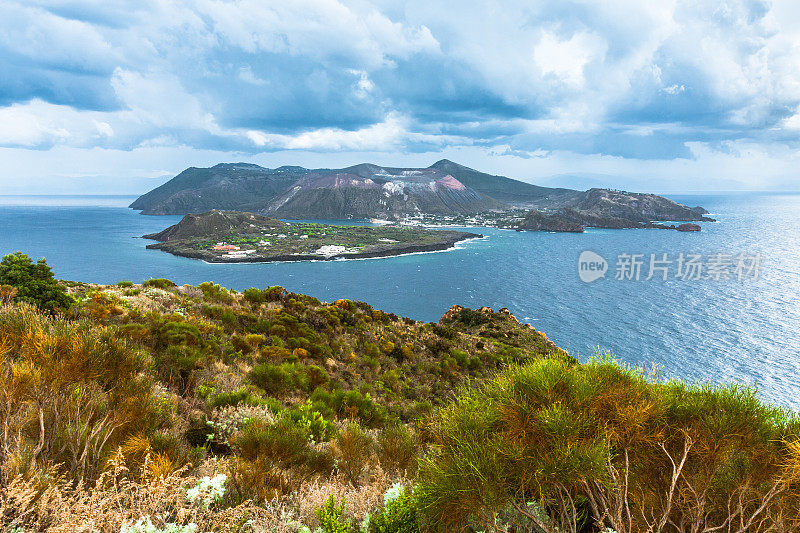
(162, 408)
(25, 281)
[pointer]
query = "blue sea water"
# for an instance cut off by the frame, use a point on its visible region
(717, 330)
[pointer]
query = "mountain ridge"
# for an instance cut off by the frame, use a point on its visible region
(367, 190)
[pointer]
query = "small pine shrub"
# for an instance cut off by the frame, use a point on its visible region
(255, 340)
(255, 296)
(34, 282)
(460, 357)
(330, 516)
(159, 283)
(281, 445)
(274, 293)
(272, 378)
(216, 293)
(316, 376)
(576, 433)
(234, 397)
(398, 514)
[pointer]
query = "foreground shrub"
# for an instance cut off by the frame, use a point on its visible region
(330, 517)
(310, 419)
(351, 404)
(159, 283)
(599, 441)
(216, 293)
(34, 282)
(398, 514)
(70, 393)
(274, 458)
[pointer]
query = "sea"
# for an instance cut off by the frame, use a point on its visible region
(728, 310)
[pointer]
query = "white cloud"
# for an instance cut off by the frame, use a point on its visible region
(674, 89)
(160, 100)
(104, 128)
(246, 75)
(364, 85)
(48, 39)
(792, 122)
(22, 126)
(315, 28)
(390, 134)
(567, 59)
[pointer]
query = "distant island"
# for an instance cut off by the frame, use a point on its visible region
(239, 237)
(444, 193)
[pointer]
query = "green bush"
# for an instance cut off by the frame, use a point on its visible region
(398, 514)
(592, 441)
(316, 376)
(234, 397)
(308, 417)
(255, 296)
(352, 404)
(274, 293)
(330, 516)
(446, 332)
(273, 379)
(176, 366)
(460, 357)
(289, 376)
(216, 293)
(125, 283)
(159, 283)
(471, 317)
(276, 456)
(240, 344)
(34, 282)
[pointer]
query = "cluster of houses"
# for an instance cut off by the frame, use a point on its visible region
(232, 250)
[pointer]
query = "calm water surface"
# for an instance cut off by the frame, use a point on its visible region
(699, 330)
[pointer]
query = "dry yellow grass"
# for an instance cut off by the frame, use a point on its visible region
(46, 503)
(360, 500)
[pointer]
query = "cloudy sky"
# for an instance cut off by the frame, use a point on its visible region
(112, 96)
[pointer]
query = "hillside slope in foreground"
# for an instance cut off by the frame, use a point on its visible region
(188, 409)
